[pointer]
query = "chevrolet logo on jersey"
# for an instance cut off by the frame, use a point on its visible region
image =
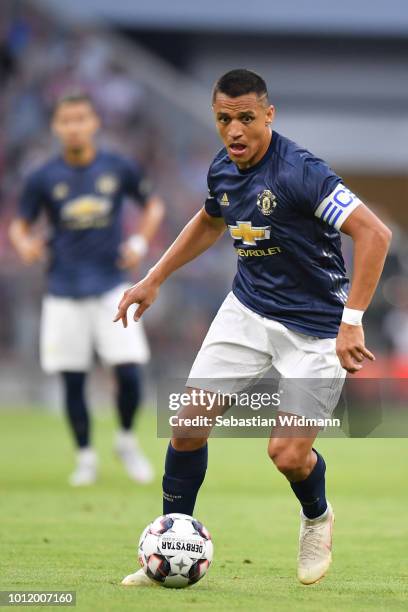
(244, 231)
(86, 212)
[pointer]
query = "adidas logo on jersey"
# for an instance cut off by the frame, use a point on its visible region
(224, 200)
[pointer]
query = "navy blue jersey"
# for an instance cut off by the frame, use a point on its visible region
(284, 214)
(83, 205)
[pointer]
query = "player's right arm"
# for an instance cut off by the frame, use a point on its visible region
(30, 248)
(197, 236)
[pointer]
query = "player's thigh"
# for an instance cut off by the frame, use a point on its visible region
(234, 353)
(312, 377)
(65, 334)
(113, 343)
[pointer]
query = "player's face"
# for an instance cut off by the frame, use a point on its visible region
(243, 125)
(75, 125)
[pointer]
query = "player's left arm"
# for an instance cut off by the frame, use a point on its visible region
(136, 247)
(371, 240)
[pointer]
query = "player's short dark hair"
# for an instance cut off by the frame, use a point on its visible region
(74, 97)
(239, 82)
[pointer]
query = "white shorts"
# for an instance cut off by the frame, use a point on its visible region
(73, 329)
(241, 346)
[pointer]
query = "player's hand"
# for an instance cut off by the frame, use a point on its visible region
(350, 347)
(128, 257)
(31, 249)
(143, 293)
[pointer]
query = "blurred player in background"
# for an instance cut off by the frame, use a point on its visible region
(82, 192)
(290, 306)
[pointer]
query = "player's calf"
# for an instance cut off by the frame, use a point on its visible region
(183, 476)
(305, 469)
(187, 455)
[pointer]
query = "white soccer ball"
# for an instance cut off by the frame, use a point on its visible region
(175, 550)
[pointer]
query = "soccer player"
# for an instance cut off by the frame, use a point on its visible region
(289, 307)
(82, 191)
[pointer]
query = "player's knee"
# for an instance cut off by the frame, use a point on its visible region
(128, 382)
(275, 447)
(287, 459)
(128, 376)
(186, 434)
(74, 383)
(188, 444)
(289, 463)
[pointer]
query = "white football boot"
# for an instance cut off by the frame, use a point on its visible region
(86, 471)
(139, 578)
(129, 452)
(315, 546)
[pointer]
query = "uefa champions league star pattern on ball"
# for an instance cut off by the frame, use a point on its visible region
(175, 550)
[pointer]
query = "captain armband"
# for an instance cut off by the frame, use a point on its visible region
(337, 206)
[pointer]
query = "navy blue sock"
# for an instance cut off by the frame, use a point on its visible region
(128, 393)
(75, 406)
(311, 492)
(183, 476)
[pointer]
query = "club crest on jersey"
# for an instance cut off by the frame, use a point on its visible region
(106, 184)
(60, 191)
(266, 202)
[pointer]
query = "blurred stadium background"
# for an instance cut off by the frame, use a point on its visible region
(337, 73)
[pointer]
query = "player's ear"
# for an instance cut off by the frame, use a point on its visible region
(269, 114)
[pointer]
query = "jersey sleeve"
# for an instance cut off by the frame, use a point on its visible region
(136, 183)
(211, 205)
(320, 192)
(32, 198)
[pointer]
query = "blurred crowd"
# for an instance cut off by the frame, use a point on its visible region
(39, 60)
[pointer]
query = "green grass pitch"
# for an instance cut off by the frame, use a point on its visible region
(54, 537)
